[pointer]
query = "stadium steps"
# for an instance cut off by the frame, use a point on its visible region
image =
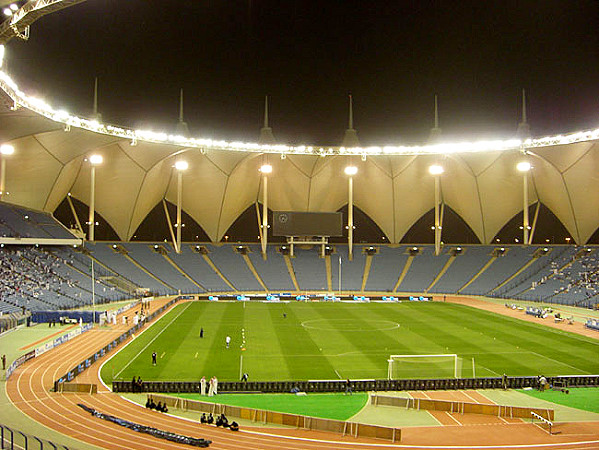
(289, 265)
(404, 272)
(218, 272)
(105, 281)
(441, 272)
(327, 263)
(181, 271)
(367, 266)
(143, 269)
(478, 274)
(250, 265)
(579, 254)
(513, 276)
(118, 280)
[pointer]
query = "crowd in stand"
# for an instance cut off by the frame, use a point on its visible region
(580, 276)
(26, 275)
(30, 278)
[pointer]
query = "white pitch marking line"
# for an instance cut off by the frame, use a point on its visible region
(196, 355)
(340, 377)
(559, 362)
(149, 343)
(162, 356)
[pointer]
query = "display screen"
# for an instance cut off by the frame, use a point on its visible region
(292, 223)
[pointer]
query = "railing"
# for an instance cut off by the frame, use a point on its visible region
(11, 439)
(358, 385)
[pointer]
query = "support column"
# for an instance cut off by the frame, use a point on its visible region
(179, 200)
(92, 204)
(264, 240)
(437, 217)
(350, 217)
(525, 208)
(2, 176)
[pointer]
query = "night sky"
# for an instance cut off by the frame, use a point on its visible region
(393, 56)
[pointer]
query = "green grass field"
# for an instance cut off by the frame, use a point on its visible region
(344, 340)
(336, 406)
(586, 399)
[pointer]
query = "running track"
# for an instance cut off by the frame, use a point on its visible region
(29, 389)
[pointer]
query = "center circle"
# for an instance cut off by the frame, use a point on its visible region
(352, 325)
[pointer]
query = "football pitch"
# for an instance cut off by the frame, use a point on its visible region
(331, 341)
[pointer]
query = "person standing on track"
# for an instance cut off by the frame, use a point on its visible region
(153, 358)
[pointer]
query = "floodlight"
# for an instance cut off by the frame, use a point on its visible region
(436, 169)
(7, 12)
(523, 166)
(181, 165)
(96, 159)
(266, 168)
(14, 7)
(351, 170)
(7, 149)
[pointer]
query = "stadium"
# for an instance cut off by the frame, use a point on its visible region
(344, 296)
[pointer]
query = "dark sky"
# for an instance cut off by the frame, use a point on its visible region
(393, 56)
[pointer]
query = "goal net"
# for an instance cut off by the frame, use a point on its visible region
(424, 366)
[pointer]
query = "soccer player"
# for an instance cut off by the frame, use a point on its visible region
(153, 358)
(228, 341)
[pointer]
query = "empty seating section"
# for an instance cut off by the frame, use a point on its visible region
(273, 271)
(16, 221)
(386, 268)
(465, 266)
(194, 265)
(121, 265)
(310, 269)
(234, 268)
(352, 272)
(156, 264)
(423, 270)
(500, 270)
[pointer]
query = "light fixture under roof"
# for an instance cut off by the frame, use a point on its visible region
(523, 166)
(436, 169)
(96, 159)
(181, 165)
(351, 170)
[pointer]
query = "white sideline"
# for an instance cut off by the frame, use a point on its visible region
(155, 337)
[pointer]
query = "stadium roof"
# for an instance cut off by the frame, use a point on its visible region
(393, 186)
(395, 190)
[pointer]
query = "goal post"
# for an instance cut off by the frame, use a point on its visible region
(424, 366)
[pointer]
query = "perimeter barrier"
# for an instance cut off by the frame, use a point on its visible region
(83, 365)
(44, 348)
(357, 430)
(462, 407)
(11, 438)
(357, 385)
